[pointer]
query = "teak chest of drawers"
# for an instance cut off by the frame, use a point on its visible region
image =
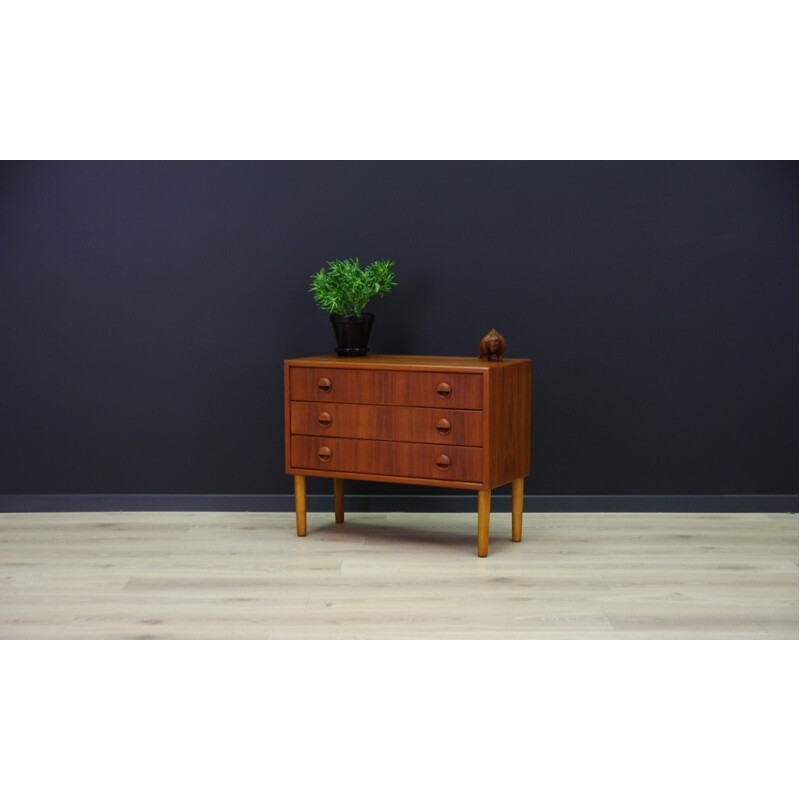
(426, 420)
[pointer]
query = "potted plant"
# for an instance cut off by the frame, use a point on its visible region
(343, 289)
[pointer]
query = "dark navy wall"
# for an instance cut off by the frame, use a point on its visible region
(146, 309)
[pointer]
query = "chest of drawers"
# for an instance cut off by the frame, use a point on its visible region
(426, 420)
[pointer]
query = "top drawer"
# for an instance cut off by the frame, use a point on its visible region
(387, 387)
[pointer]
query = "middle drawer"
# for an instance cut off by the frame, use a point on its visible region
(388, 423)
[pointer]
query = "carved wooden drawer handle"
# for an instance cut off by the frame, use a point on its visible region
(443, 462)
(444, 390)
(324, 419)
(324, 385)
(324, 454)
(443, 426)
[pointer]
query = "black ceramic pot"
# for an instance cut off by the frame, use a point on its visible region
(352, 333)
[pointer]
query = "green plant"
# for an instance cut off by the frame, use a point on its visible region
(345, 287)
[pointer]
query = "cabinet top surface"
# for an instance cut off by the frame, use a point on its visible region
(404, 362)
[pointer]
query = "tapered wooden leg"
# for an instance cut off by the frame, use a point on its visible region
(338, 498)
(484, 503)
(300, 503)
(517, 495)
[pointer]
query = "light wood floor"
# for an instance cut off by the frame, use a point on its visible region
(397, 576)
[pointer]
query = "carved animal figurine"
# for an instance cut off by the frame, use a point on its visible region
(492, 344)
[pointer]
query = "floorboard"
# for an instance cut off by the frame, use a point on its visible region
(236, 575)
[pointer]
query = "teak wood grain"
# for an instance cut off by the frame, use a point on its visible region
(387, 387)
(425, 420)
(391, 423)
(404, 362)
(508, 424)
(403, 459)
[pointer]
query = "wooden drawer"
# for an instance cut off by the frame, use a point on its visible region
(399, 459)
(387, 387)
(392, 423)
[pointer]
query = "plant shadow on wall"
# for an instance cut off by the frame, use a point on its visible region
(343, 290)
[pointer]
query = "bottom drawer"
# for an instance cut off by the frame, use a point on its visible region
(400, 459)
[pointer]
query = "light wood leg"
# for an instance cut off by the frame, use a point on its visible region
(338, 498)
(300, 503)
(517, 495)
(484, 504)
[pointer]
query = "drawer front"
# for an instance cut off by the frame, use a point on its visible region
(398, 459)
(392, 423)
(387, 387)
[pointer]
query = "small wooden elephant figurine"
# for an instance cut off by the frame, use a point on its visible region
(492, 344)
